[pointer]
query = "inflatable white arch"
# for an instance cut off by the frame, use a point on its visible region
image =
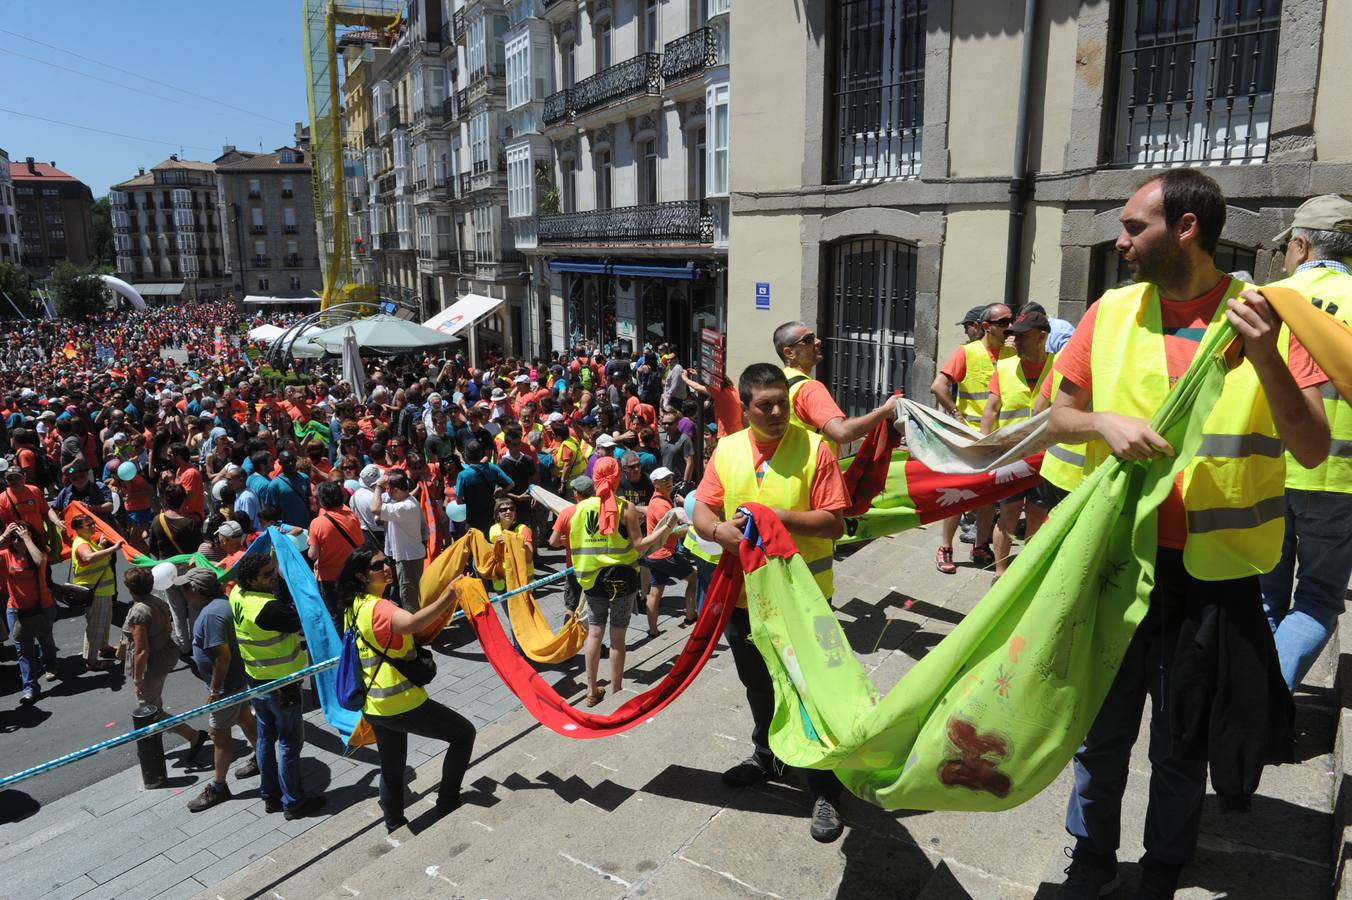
(119, 286)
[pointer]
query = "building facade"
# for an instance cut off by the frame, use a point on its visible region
(884, 206)
(54, 213)
(167, 230)
(266, 209)
(617, 167)
(9, 216)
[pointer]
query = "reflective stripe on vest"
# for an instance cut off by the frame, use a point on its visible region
(1331, 291)
(690, 544)
(974, 389)
(1063, 464)
(1234, 488)
(266, 654)
(786, 484)
(591, 550)
(388, 692)
(1017, 396)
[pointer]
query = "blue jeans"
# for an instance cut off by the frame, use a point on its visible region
(704, 576)
(1317, 556)
(1177, 786)
(279, 722)
(37, 650)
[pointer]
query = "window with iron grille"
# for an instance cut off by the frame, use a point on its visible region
(869, 321)
(1195, 81)
(878, 89)
(1109, 270)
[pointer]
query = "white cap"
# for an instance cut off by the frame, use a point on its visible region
(554, 417)
(605, 441)
(523, 379)
(661, 472)
(370, 475)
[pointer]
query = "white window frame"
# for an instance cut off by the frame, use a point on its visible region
(255, 187)
(520, 183)
(652, 26)
(603, 178)
(479, 127)
(518, 63)
(718, 121)
(649, 165)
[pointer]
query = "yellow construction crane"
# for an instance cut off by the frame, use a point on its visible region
(321, 21)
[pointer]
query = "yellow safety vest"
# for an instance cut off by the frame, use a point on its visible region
(692, 546)
(974, 388)
(1234, 488)
(577, 465)
(796, 380)
(388, 692)
(98, 575)
(1063, 464)
(1331, 291)
(267, 655)
(1017, 396)
(593, 551)
(786, 484)
(500, 584)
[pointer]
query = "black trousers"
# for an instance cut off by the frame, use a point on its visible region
(433, 720)
(760, 696)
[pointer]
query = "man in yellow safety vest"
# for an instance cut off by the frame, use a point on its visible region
(1013, 396)
(267, 631)
(969, 371)
(1217, 532)
(791, 470)
(1316, 552)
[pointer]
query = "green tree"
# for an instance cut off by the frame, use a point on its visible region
(14, 282)
(103, 235)
(549, 192)
(77, 290)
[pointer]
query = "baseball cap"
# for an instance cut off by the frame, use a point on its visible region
(1327, 212)
(661, 472)
(554, 417)
(369, 475)
(605, 441)
(230, 529)
(77, 465)
(201, 580)
(1030, 320)
(973, 315)
(582, 484)
(523, 379)
(120, 437)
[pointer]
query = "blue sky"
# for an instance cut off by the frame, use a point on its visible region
(243, 53)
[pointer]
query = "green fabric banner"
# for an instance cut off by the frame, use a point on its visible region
(994, 712)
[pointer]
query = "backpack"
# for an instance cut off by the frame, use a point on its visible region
(351, 683)
(47, 472)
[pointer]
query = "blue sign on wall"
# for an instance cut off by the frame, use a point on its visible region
(762, 295)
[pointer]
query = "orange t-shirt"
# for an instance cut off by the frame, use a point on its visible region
(813, 404)
(657, 508)
(728, 411)
(828, 485)
(1184, 323)
(335, 534)
(956, 367)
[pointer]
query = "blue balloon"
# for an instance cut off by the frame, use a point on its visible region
(690, 506)
(127, 471)
(457, 512)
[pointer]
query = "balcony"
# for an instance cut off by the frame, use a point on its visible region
(287, 193)
(558, 108)
(678, 222)
(148, 204)
(483, 82)
(386, 184)
(639, 77)
(288, 229)
(388, 240)
(293, 260)
(254, 195)
(448, 109)
(430, 116)
(458, 25)
(368, 135)
(258, 229)
(690, 55)
(464, 185)
(262, 262)
(559, 10)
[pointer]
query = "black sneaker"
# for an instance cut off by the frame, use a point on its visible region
(826, 825)
(272, 805)
(249, 769)
(1159, 880)
(1088, 877)
(210, 796)
(746, 773)
(196, 746)
(308, 806)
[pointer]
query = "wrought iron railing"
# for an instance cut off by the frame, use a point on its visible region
(447, 34)
(690, 54)
(258, 229)
(681, 220)
(464, 184)
(558, 107)
(368, 135)
(386, 184)
(640, 75)
(448, 108)
(458, 24)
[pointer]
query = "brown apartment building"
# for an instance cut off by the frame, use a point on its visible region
(55, 215)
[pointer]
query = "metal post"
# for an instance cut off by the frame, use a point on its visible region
(149, 750)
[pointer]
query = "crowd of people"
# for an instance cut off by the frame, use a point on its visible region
(653, 466)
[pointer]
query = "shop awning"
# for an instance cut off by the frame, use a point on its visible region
(627, 270)
(463, 313)
(159, 290)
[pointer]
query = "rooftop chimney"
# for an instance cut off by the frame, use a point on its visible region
(228, 148)
(32, 169)
(140, 171)
(174, 157)
(52, 163)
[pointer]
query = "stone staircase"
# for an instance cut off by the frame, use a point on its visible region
(644, 814)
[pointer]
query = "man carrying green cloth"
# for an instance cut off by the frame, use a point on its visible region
(794, 472)
(1220, 528)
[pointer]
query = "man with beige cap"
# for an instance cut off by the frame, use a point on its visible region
(1316, 554)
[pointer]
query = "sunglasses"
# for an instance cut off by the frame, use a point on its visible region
(1005, 321)
(806, 338)
(383, 563)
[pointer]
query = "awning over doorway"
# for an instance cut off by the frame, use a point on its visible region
(463, 313)
(262, 300)
(685, 272)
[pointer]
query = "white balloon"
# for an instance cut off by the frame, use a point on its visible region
(164, 574)
(117, 502)
(711, 547)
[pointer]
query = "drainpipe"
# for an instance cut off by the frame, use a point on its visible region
(1019, 186)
